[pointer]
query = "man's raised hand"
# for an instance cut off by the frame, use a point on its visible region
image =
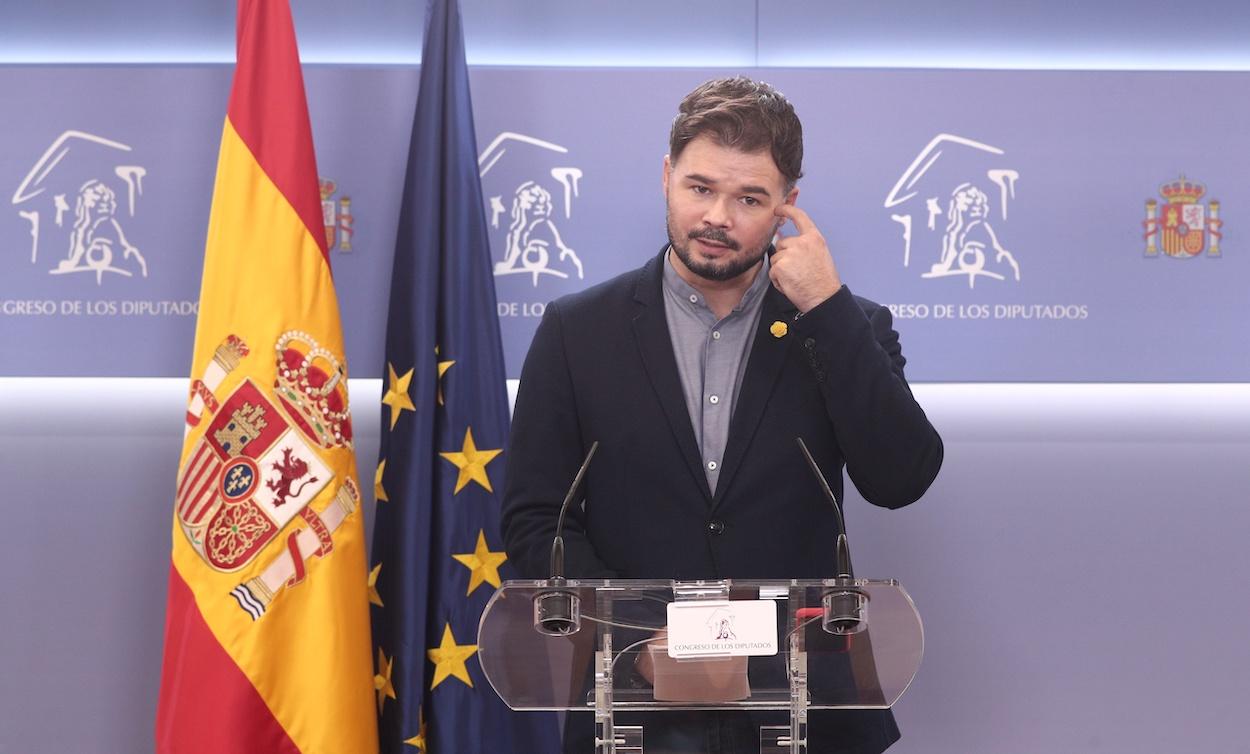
(802, 268)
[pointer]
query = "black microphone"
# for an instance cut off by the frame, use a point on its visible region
(844, 604)
(556, 611)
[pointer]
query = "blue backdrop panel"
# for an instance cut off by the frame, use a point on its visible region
(1004, 215)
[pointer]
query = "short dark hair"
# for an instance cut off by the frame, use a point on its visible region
(745, 115)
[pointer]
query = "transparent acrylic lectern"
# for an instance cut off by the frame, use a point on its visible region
(604, 646)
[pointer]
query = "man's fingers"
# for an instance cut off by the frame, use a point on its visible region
(802, 221)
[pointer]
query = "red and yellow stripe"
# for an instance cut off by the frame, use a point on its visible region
(300, 679)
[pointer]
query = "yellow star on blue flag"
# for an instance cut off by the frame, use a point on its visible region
(483, 564)
(471, 462)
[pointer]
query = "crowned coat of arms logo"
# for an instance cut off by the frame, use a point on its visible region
(1183, 226)
(258, 465)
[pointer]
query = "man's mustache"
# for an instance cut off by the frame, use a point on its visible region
(715, 235)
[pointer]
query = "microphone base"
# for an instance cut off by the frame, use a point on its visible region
(557, 613)
(845, 610)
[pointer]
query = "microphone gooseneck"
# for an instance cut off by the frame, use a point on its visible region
(557, 544)
(844, 604)
(557, 610)
(845, 569)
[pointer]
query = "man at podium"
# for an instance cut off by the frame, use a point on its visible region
(696, 373)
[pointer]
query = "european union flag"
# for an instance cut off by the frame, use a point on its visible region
(437, 554)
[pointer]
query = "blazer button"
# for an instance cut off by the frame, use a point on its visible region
(716, 527)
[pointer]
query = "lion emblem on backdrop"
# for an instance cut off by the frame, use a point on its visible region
(538, 205)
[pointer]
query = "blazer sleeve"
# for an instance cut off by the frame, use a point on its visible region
(545, 449)
(892, 452)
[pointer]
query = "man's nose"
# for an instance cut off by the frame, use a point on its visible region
(719, 213)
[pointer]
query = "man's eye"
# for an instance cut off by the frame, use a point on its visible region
(701, 189)
(750, 201)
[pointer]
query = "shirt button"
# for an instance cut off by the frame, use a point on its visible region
(716, 335)
(694, 299)
(714, 399)
(716, 527)
(711, 465)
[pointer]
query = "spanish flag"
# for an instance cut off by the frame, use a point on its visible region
(267, 642)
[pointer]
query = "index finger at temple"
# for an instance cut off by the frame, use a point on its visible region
(802, 221)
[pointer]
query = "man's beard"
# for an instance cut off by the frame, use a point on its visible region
(729, 268)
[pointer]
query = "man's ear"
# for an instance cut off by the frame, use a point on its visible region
(792, 196)
(668, 170)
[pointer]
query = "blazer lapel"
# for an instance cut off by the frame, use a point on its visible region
(656, 348)
(768, 356)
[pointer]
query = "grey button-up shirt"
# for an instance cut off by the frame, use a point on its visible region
(711, 358)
